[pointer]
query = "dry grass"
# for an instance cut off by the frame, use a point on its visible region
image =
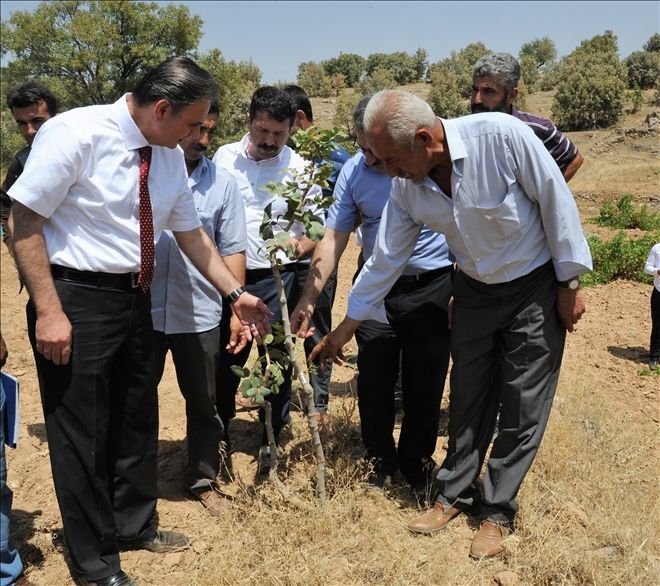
(588, 515)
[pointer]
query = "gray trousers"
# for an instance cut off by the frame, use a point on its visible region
(196, 359)
(507, 344)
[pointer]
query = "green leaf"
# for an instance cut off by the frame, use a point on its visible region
(268, 339)
(240, 371)
(315, 231)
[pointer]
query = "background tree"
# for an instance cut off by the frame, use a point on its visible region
(653, 44)
(421, 64)
(312, 77)
(379, 79)
(460, 65)
(343, 116)
(446, 97)
(536, 58)
(401, 65)
(92, 52)
(350, 65)
(643, 67)
(236, 84)
(591, 93)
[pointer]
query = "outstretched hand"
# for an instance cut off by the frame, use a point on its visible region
(329, 349)
(301, 319)
(254, 316)
(237, 337)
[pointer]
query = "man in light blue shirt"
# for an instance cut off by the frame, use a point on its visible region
(419, 297)
(186, 311)
(490, 186)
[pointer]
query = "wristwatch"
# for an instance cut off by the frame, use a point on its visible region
(235, 294)
(572, 284)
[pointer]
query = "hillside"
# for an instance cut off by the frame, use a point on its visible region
(588, 507)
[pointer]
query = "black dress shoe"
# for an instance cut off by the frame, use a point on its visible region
(118, 579)
(161, 542)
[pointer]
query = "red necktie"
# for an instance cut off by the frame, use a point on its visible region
(146, 223)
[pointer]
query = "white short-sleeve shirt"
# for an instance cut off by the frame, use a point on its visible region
(82, 175)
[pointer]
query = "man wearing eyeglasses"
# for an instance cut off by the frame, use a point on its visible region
(419, 297)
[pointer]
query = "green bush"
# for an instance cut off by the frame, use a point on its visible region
(625, 216)
(591, 92)
(446, 96)
(377, 80)
(619, 258)
(642, 69)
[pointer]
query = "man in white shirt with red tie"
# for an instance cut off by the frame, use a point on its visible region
(109, 179)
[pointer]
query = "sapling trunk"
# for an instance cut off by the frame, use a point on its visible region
(308, 392)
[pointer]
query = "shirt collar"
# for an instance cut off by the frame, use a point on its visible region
(455, 143)
(133, 137)
(200, 172)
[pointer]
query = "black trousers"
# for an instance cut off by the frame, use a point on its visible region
(655, 325)
(262, 284)
(101, 416)
(417, 337)
(196, 357)
(507, 346)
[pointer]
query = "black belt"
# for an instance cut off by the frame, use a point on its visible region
(254, 275)
(423, 278)
(121, 281)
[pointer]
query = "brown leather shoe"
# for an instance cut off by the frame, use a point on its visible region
(214, 501)
(487, 542)
(434, 520)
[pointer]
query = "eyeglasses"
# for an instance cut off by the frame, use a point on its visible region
(366, 151)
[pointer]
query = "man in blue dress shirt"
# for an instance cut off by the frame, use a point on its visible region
(420, 296)
(490, 186)
(186, 311)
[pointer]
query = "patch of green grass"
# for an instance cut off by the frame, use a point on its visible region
(625, 216)
(620, 258)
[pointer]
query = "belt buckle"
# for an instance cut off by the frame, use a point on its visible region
(134, 278)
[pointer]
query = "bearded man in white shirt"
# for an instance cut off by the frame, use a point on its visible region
(103, 183)
(489, 185)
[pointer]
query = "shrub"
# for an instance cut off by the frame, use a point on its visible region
(642, 69)
(343, 116)
(591, 92)
(377, 80)
(10, 140)
(619, 258)
(625, 216)
(446, 96)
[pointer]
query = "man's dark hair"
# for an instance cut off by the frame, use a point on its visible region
(30, 94)
(275, 102)
(301, 100)
(214, 108)
(179, 80)
(358, 113)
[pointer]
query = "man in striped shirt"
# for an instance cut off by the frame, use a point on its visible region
(495, 80)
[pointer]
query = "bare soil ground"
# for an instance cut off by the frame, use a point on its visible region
(589, 510)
